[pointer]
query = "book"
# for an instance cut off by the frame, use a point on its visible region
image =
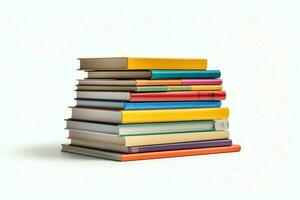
(153, 96)
(140, 140)
(133, 63)
(155, 74)
(147, 116)
(148, 155)
(149, 88)
(150, 148)
(149, 128)
(117, 82)
(146, 105)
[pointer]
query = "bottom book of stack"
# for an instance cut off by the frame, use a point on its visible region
(200, 137)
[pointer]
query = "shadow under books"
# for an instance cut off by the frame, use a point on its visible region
(50, 151)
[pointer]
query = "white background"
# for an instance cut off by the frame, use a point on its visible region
(254, 43)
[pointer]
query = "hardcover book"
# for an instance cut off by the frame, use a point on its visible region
(140, 140)
(148, 155)
(117, 82)
(153, 96)
(146, 105)
(149, 128)
(151, 148)
(155, 74)
(131, 63)
(149, 88)
(146, 116)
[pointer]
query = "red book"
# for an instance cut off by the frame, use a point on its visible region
(179, 96)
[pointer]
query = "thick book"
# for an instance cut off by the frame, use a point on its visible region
(148, 155)
(140, 140)
(149, 88)
(117, 82)
(146, 105)
(149, 128)
(150, 148)
(134, 63)
(153, 96)
(156, 74)
(146, 116)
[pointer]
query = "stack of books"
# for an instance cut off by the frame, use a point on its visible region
(144, 108)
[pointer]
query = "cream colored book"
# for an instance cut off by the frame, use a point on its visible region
(139, 140)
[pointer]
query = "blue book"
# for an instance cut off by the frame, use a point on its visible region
(146, 105)
(179, 74)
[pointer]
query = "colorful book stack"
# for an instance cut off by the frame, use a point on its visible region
(144, 108)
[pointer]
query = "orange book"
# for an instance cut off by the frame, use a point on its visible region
(158, 82)
(149, 155)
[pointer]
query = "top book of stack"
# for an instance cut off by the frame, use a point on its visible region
(131, 63)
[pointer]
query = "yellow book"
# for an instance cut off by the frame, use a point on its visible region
(206, 87)
(139, 140)
(147, 116)
(131, 63)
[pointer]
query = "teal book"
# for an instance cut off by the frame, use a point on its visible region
(177, 74)
(155, 74)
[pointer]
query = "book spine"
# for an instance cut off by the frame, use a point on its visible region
(169, 115)
(206, 87)
(179, 82)
(221, 125)
(178, 74)
(169, 105)
(178, 96)
(177, 153)
(152, 89)
(180, 88)
(142, 140)
(201, 82)
(157, 82)
(165, 63)
(181, 145)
